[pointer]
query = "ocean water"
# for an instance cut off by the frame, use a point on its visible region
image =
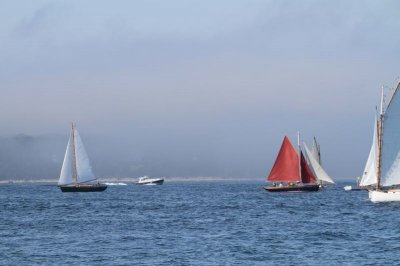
(195, 223)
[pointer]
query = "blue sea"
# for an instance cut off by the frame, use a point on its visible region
(195, 223)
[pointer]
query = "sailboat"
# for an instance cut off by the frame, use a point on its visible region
(316, 167)
(291, 171)
(370, 173)
(76, 172)
(388, 154)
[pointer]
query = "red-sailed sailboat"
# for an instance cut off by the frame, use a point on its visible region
(291, 172)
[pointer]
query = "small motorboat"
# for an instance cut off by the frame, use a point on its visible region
(357, 188)
(145, 180)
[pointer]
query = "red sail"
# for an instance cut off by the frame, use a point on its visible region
(286, 166)
(307, 175)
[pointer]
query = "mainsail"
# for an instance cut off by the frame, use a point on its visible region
(83, 167)
(76, 166)
(288, 168)
(371, 167)
(390, 142)
(316, 167)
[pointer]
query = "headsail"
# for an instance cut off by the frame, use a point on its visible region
(286, 166)
(390, 147)
(66, 170)
(315, 151)
(371, 167)
(317, 169)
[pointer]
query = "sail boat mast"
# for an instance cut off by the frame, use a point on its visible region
(298, 143)
(74, 171)
(378, 176)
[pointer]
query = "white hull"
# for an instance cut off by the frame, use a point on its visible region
(150, 181)
(384, 196)
(357, 188)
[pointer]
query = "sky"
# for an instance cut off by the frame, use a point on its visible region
(192, 88)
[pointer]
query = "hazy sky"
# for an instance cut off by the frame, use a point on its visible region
(198, 87)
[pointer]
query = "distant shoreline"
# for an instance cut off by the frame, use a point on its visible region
(135, 179)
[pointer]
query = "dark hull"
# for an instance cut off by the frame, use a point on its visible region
(159, 182)
(296, 188)
(359, 188)
(84, 188)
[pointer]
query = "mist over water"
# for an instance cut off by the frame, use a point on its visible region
(26, 157)
(235, 146)
(226, 148)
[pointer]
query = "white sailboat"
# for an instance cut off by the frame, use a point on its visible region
(76, 171)
(388, 152)
(314, 160)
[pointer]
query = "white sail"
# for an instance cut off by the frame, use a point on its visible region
(371, 167)
(67, 170)
(315, 151)
(75, 156)
(319, 172)
(390, 150)
(83, 167)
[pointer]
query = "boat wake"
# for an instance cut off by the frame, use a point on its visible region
(116, 184)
